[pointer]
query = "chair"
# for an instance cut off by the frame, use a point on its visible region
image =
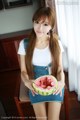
(22, 98)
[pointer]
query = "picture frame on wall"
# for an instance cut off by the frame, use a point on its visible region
(16, 3)
(1, 5)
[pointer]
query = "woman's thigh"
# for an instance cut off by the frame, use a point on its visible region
(54, 110)
(40, 111)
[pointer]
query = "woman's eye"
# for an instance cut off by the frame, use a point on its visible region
(45, 24)
(36, 22)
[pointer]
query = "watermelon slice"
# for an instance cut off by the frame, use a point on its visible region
(45, 85)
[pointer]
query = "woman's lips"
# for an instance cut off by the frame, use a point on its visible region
(39, 32)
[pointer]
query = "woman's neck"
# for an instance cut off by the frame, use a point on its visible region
(42, 43)
(42, 39)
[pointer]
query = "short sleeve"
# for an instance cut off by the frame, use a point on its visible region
(22, 47)
(61, 47)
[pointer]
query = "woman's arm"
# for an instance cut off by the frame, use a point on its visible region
(24, 75)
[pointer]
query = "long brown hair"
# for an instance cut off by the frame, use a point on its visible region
(42, 13)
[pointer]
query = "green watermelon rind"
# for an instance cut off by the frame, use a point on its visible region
(45, 92)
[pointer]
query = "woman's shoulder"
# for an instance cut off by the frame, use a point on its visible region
(22, 46)
(24, 41)
(59, 41)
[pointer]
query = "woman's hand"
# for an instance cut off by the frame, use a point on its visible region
(28, 84)
(59, 88)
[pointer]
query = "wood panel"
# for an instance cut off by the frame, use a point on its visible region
(8, 56)
(8, 52)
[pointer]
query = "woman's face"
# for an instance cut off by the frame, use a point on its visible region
(41, 27)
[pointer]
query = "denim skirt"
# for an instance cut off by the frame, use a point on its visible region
(38, 72)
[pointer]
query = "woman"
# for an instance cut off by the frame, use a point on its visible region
(42, 55)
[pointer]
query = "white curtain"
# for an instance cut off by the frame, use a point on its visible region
(68, 20)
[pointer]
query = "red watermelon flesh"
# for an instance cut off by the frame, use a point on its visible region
(45, 82)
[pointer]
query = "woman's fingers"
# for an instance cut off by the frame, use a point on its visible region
(32, 89)
(33, 92)
(30, 86)
(59, 89)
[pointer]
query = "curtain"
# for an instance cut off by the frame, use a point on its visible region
(50, 3)
(68, 22)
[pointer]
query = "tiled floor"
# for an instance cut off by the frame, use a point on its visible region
(8, 82)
